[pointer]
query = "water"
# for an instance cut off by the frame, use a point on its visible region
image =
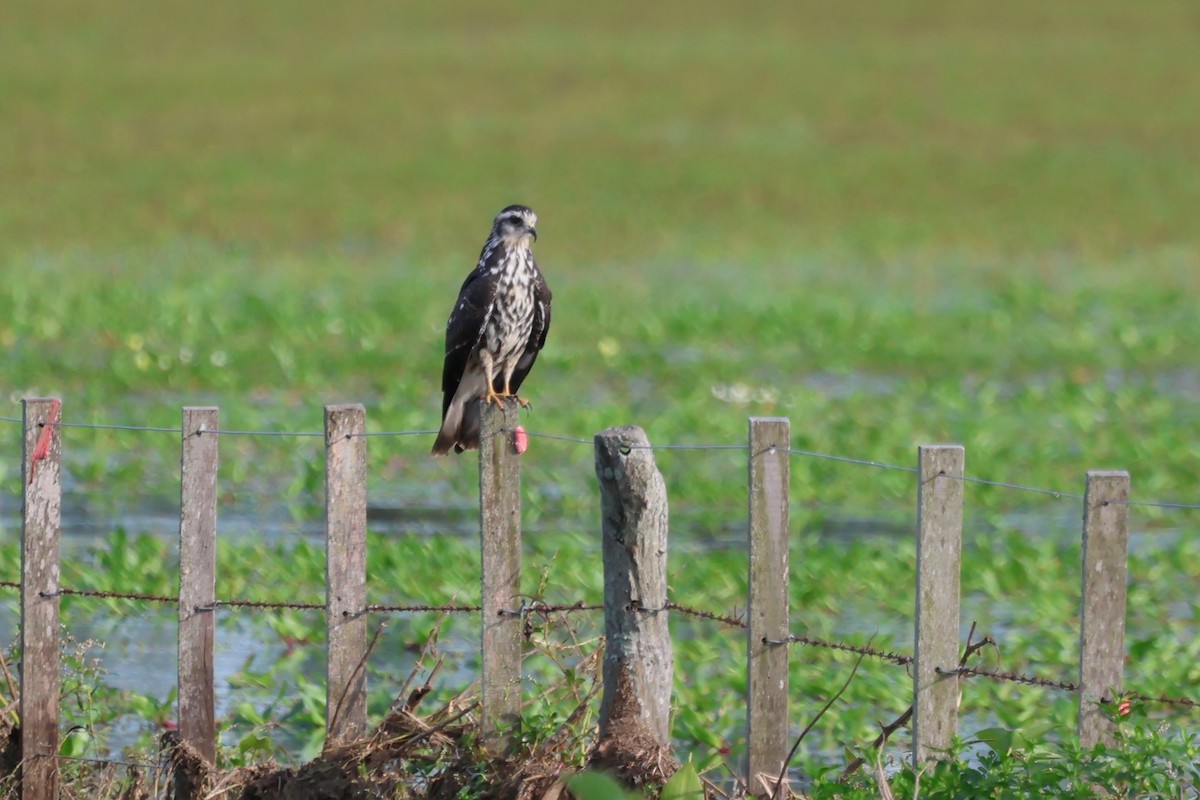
(138, 650)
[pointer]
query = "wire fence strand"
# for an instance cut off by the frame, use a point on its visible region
(899, 659)
(865, 462)
(546, 609)
(108, 427)
(848, 460)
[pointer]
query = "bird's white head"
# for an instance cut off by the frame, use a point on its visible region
(515, 224)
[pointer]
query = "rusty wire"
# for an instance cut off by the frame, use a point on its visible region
(105, 594)
(1185, 702)
(275, 604)
(543, 608)
(900, 659)
(726, 619)
(447, 608)
(1010, 676)
(1065, 686)
(109, 595)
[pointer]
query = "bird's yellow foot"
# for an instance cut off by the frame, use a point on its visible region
(520, 400)
(492, 397)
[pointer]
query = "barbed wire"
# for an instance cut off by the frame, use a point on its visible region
(446, 608)
(106, 594)
(294, 605)
(899, 659)
(725, 619)
(1010, 676)
(109, 595)
(1185, 702)
(541, 607)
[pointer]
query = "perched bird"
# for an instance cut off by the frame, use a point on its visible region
(495, 331)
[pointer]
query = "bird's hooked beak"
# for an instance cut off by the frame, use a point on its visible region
(533, 233)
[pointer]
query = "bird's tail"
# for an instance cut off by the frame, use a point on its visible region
(448, 436)
(460, 427)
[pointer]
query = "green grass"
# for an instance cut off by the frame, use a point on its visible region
(1021, 591)
(894, 225)
(642, 135)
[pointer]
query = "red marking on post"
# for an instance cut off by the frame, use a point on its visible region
(42, 448)
(520, 440)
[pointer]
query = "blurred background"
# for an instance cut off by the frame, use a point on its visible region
(894, 223)
(656, 134)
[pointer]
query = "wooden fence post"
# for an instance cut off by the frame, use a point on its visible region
(766, 648)
(1102, 618)
(500, 546)
(345, 573)
(635, 710)
(197, 582)
(939, 562)
(40, 529)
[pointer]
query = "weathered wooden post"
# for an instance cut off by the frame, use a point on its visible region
(345, 573)
(939, 560)
(635, 710)
(40, 528)
(500, 546)
(1102, 618)
(197, 584)
(766, 648)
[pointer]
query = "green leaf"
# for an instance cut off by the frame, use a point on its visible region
(255, 744)
(999, 740)
(76, 743)
(684, 785)
(595, 786)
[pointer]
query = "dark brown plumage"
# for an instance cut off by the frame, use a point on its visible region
(495, 331)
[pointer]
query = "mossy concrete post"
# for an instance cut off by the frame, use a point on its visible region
(41, 525)
(197, 581)
(939, 565)
(500, 545)
(1102, 618)
(767, 613)
(345, 573)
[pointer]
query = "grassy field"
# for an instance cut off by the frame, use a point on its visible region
(894, 224)
(646, 136)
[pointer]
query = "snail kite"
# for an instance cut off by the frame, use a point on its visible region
(496, 330)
